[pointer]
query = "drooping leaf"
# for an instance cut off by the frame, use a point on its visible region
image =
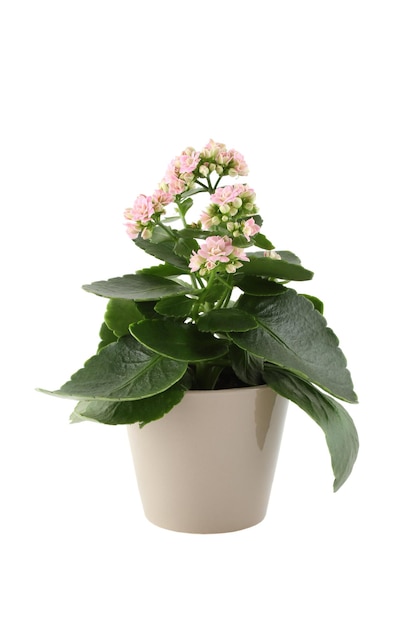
(341, 435)
(140, 287)
(125, 370)
(293, 335)
(129, 412)
(120, 314)
(178, 341)
(276, 268)
(175, 306)
(226, 320)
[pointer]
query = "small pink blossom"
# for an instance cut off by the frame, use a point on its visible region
(217, 250)
(250, 228)
(226, 195)
(142, 210)
(132, 229)
(160, 199)
(188, 162)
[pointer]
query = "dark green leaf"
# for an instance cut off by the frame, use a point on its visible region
(140, 287)
(195, 233)
(293, 335)
(178, 341)
(120, 314)
(124, 370)
(276, 268)
(226, 320)
(107, 336)
(175, 306)
(258, 286)
(247, 367)
(163, 251)
(341, 435)
(161, 270)
(262, 242)
(129, 412)
(185, 247)
(318, 304)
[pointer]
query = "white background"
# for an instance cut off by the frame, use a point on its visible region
(97, 97)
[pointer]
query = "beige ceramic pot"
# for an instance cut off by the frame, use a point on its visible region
(208, 465)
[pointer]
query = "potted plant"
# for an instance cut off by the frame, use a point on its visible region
(211, 331)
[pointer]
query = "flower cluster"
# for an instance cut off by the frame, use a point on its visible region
(141, 216)
(230, 212)
(230, 207)
(217, 252)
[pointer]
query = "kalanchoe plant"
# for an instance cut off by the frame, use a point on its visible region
(215, 314)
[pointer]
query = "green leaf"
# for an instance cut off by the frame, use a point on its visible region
(129, 412)
(195, 233)
(124, 370)
(341, 435)
(140, 287)
(318, 304)
(288, 256)
(175, 306)
(185, 205)
(258, 286)
(161, 270)
(226, 320)
(185, 247)
(262, 242)
(275, 268)
(107, 336)
(120, 314)
(163, 251)
(178, 341)
(247, 367)
(293, 335)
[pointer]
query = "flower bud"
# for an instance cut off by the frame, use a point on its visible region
(219, 170)
(237, 203)
(204, 170)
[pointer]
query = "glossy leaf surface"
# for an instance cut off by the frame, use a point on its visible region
(293, 335)
(178, 341)
(339, 429)
(129, 412)
(124, 370)
(140, 287)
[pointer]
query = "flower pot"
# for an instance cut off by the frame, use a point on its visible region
(208, 465)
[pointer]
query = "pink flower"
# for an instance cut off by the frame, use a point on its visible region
(250, 228)
(226, 195)
(161, 199)
(216, 248)
(214, 251)
(239, 164)
(188, 162)
(196, 262)
(132, 229)
(142, 209)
